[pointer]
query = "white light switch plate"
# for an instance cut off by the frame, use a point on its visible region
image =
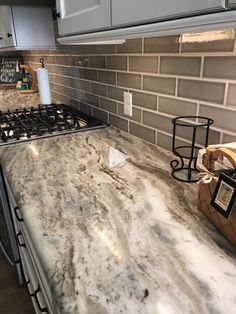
(128, 104)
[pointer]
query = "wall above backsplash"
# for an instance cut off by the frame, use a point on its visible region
(192, 74)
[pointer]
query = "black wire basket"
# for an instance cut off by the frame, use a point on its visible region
(196, 130)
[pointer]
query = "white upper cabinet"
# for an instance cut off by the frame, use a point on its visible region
(24, 27)
(125, 12)
(80, 16)
(89, 21)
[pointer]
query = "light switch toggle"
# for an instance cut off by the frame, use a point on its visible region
(128, 104)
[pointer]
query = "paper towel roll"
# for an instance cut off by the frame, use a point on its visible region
(44, 86)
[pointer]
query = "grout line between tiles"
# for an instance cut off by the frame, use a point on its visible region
(226, 94)
(176, 86)
(156, 136)
(197, 109)
(202, 66)
(234, 50)
(180, 44)
(157, 103)
(221, 137)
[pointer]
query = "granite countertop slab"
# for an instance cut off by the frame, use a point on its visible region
(11, 99)
(125, 239)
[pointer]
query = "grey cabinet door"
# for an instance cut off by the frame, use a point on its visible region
(126, 12)
(8, 29)
(81, 16)
(232, 3)
(33, 26)
(1, 32)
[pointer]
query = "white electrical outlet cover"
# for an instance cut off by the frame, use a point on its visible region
(128, 104)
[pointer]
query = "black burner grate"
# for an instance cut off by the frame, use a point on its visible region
(45, 120)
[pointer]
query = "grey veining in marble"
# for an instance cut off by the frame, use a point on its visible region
(127, 239)
(12, 99)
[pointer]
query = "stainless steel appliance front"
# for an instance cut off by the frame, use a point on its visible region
(8, 244)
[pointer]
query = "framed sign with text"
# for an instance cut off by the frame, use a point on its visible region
(224, 196)
(10, 72)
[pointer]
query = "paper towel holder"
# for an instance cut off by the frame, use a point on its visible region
(33, 88)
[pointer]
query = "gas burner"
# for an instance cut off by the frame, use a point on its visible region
(43, 121)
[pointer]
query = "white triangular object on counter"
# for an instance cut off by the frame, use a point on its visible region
(115, 157)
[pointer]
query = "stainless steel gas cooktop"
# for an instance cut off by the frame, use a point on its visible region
(43, 121)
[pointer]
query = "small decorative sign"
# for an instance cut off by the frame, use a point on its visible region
(10, 72)
(224, 195)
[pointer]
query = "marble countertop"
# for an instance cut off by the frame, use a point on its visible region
(12, 99)
(119, 239)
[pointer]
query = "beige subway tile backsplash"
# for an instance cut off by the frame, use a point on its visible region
(108, 105)
(223, 119)
(142, 132)
(118, 122)
(86, 108)
(129, 80)
(117, 62)
(98, 89)
(97, 62)
(130, 46)
(202, 90)
(164, 140)
(143, 64)
(104, 49)
(213, 41)
(77, 72)
(183, 66)
(91, 99)
(227, 138)
(231, 96)
(187, 133)
(191, 74)
(107, 77)
(91, 75)
(116, 93)
(220, 67)
(100, 114)
(136, 114)
(157, 121)
(62, 70)
(167, 44)
(63, 80)
(164, 85)
(144, 100)
(78, 94)
(80, 84)
(177, 107)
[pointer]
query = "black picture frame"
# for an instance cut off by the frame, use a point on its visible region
(224, 195)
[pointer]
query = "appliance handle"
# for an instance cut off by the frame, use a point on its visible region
(18, 239)
(2, 248)
(16, 214)
(35, 295)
